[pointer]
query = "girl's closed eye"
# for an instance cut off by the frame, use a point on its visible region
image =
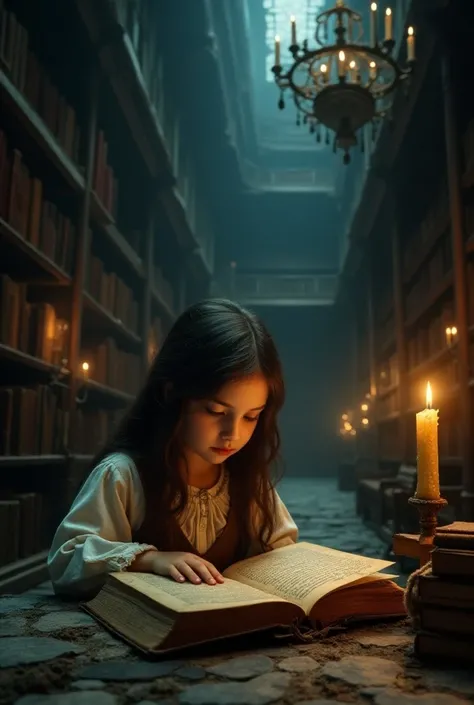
(214, 412)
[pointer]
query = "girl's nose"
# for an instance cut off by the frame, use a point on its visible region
(230, 431)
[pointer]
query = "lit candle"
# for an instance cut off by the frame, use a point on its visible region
(372, 70)
(373, 23)
(427, 450)
(277, 50)
(293, 30)
(324, 72)
(353, 71)
(388, 25)
(342, 64)
(411, 44)
(85, 371)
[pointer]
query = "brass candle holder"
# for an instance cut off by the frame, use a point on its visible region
(428, 510)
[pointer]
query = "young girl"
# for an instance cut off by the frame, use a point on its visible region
(183, 489)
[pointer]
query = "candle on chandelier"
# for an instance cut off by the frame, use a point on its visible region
(353, 71)
(427, 450)
(372, 70)
(277, 50)
(293, 30)
(388, 25)
(411, 44)
(324, 72)
(373, 23)
(341, 65)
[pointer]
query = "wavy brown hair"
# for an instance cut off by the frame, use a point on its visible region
(211, 343)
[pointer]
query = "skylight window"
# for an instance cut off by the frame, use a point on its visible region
(277, 18)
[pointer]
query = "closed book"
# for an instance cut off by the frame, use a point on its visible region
(444, 648)
(446, 620)
(452, 562)
(458, 535)
(446, 592)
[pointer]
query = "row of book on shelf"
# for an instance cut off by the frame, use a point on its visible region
(23, 520)
(34, 422)
(25, 207)
(31, 78)
(444, 610)
(33, 81)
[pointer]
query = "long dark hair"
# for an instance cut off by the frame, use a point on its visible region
(211, 343)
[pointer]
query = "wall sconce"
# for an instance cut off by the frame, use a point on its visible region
(451, 334)
(81, 398)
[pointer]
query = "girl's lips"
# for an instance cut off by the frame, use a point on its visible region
(222, 451)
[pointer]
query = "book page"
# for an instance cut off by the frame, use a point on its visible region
(303, 572)
(187, 597)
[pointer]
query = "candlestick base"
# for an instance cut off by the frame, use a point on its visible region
(428, 510)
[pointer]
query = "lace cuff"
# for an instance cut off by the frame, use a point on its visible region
(122, 562)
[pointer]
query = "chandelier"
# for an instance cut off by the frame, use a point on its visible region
(344, 85)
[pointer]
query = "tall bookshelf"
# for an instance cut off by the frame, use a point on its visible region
(103, 241)
(421, 242)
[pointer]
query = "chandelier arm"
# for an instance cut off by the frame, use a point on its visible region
(310, 56)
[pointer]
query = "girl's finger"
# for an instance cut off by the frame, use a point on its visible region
(214, 572)
(188, 572)
(176, 575)
(202, 569)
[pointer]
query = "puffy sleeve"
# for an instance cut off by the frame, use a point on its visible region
(95, 537)
(285, 530)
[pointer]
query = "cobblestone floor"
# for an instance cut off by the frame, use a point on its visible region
(53, 654)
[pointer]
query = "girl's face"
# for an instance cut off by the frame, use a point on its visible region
(214, 429)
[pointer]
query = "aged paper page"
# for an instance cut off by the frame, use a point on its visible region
(186, 597)
(303, 572)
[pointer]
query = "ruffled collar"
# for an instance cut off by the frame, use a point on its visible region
(213, 491)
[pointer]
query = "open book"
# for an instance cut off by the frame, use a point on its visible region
(293, 585)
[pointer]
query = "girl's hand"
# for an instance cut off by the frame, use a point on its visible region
(185, 566)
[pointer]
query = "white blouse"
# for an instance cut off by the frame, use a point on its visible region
(95, 538)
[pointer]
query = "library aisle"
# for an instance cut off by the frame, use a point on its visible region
(60, 656)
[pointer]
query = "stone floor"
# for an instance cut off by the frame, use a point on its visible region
(53, 654)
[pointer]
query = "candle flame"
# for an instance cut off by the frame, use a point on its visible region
(429, 396)
(388, 11)
(277, 38)
(292, 19)
(324, 68)
(373, 7)
(85, 366)
(411, 31)
(342, 56)
(352, 65)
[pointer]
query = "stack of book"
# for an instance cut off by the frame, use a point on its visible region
(445, 609)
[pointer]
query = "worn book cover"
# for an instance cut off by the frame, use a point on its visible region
(296, 587)
(451, 562)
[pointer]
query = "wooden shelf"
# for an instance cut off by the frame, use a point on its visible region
(394, 416)
(24, 574)
(31, 122)
(121, 66)
(18, 461)
(430, 362)
(107, 225)
(435, 293)
(108, 393)
(26, 262)
(21, 359)
(426, 249)
(98, 318)
(161, 304)
(383, 393)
